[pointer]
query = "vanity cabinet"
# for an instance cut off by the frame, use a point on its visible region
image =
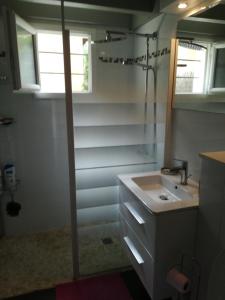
(211, 225)
(155, 242)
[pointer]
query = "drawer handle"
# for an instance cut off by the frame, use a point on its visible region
(134, 213)
(133, 250)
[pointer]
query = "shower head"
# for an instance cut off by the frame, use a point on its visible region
(190, 45)
(119, 36)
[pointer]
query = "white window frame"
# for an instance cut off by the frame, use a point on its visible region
(77, 33)
(211, 72)
(14, 20)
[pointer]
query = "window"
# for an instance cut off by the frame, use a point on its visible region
(51, 66)
(218, 68)
(191, 68)
(22, 47)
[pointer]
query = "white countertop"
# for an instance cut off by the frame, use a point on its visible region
(164, 206)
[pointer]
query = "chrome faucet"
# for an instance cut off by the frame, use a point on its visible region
(183, 170)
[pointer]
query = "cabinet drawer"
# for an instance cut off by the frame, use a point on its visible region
(139, 257)
(139, 219)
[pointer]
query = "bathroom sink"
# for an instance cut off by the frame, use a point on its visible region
(160, 192)
(160, 188)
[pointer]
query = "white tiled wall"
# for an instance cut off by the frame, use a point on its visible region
(37, 143)
(195, 132)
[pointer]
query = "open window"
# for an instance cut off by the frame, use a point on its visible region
(36, 58)
(23, 52)
(217, 78)
(51, 66)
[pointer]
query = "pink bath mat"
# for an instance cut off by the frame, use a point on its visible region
(110, 287)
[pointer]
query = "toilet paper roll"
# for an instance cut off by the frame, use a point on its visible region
(179, 281)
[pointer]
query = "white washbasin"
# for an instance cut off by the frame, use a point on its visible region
(161, 193)
(161, 189)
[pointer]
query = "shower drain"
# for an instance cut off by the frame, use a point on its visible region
(107, 241)
(163, 197)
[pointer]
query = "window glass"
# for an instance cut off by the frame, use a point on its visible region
(78, 83)
(51, 63)
(191, 65)
(50, 42)
(77, 64)
(50, 50)
(52, 83)
(26, 56)
(219, 73)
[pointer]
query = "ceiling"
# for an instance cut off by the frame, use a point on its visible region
(143, 5)
(216, 13)
(107, 13)
(209, 24)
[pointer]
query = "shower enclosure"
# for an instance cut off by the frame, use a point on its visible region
(116, 130)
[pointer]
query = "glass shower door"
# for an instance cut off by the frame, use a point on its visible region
(112, 136)
(109, 140)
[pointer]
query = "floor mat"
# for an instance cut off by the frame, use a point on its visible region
(108, 287)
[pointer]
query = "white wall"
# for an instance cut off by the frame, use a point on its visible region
(165, 25)
(38, 144)
(195, 132)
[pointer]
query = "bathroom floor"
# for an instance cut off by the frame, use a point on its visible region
(43, 260)
(34, 262)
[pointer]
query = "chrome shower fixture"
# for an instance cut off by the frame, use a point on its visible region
(117, 36)
(190, 44)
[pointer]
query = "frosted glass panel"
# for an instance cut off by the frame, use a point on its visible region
(106, 136)
(26, 56)
(107, 114)
(97, 215)
(97, 197)
(95, 256)
(113, 156)
(110, 139)
(103, 177)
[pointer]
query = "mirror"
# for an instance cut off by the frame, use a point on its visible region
(200, 60)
